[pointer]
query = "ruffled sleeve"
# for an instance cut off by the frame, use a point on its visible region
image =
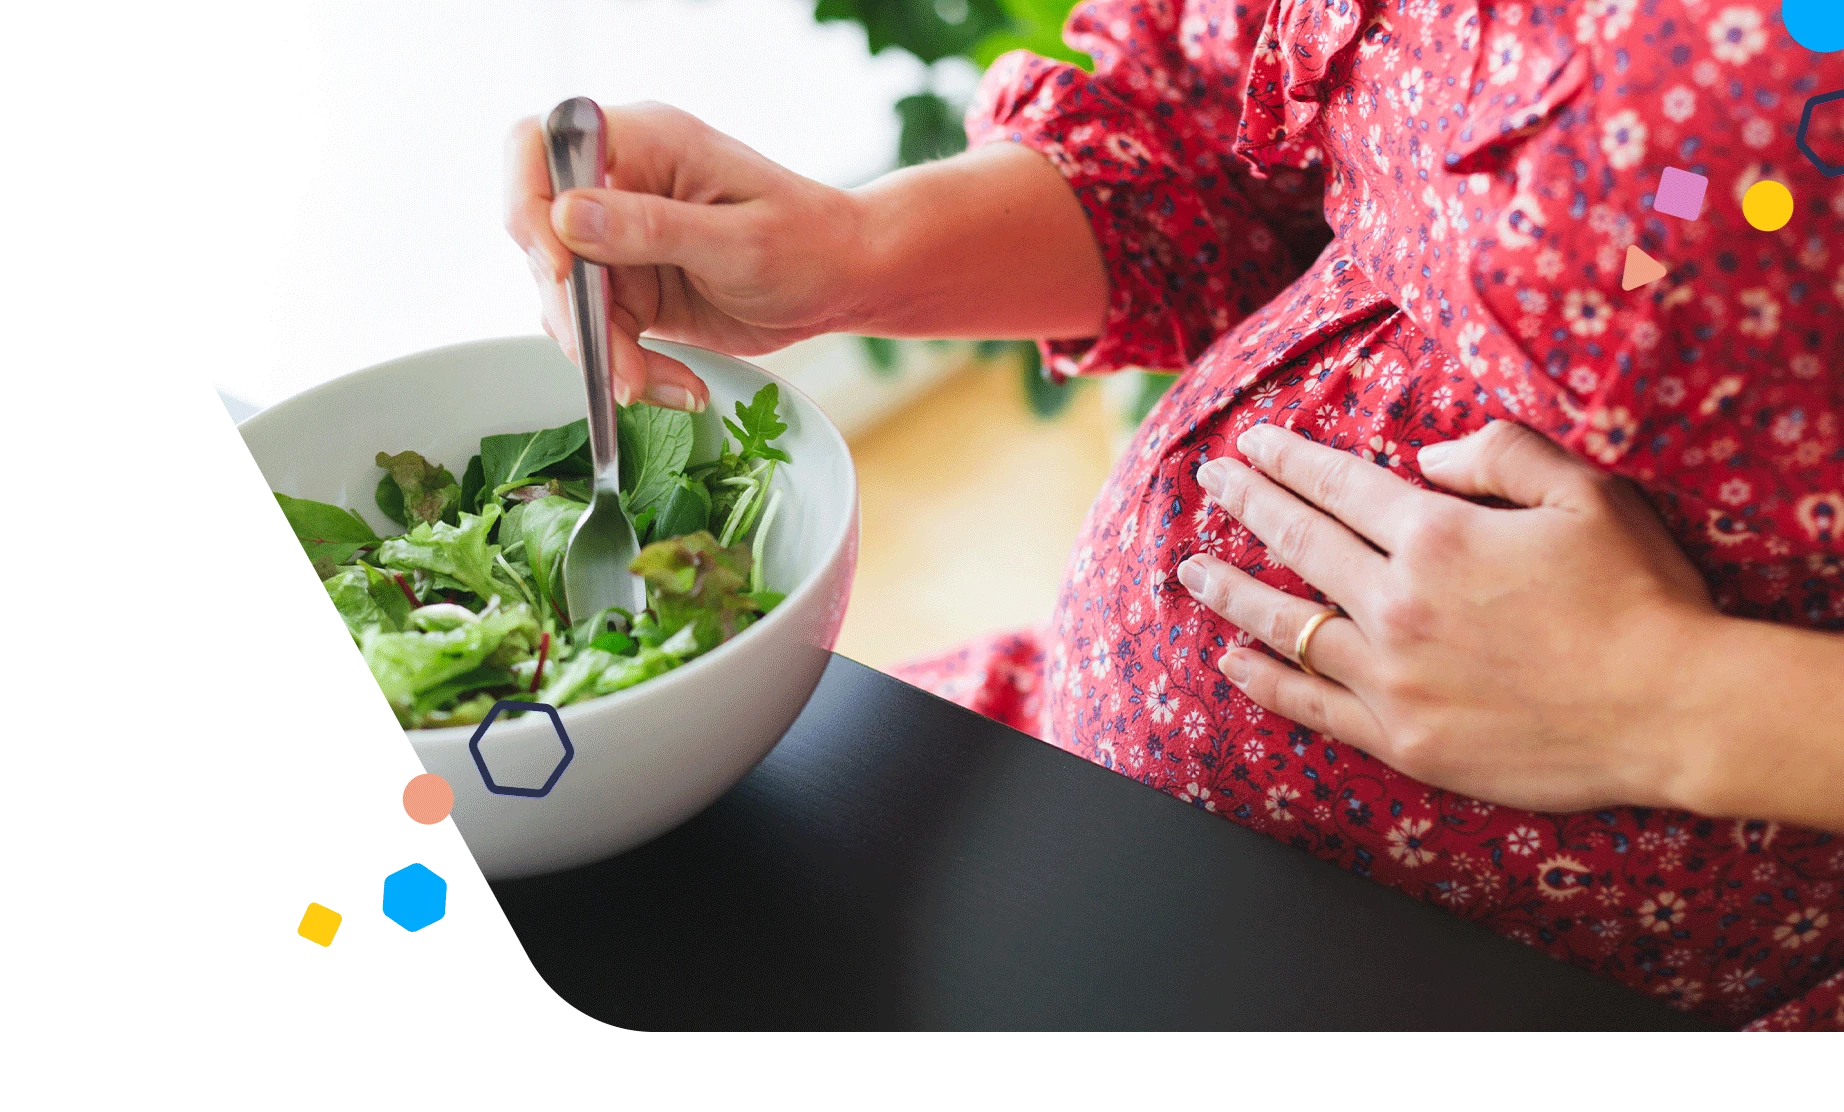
(1192, 241)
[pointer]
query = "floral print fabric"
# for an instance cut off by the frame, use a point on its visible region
(1482, 169)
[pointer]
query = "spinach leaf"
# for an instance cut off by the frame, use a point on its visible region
(514, 457)
(414, 489)
(473, 481)
(545, 526)
(389, 497)
(685, 509)
(757, 424)
(326, 532)
(456, 555)
(579, 464)
(655, 444)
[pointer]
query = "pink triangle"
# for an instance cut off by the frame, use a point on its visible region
(1641, 269)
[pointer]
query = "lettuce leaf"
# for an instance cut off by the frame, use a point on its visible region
(457, 556)
(692, 581)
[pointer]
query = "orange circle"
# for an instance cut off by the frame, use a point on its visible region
(428, 798)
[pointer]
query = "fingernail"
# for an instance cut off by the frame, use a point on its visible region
(1193, 575)
(583, 219)
(540, 265)
(1235, 666)
(1213, 475)
(1255, 438)
(674, 397)
(1435, 453)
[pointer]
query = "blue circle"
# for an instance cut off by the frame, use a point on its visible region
(1817, 25)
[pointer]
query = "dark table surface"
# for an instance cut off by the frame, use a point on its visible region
(899, 862)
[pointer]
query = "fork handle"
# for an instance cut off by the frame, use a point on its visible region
(576, 146)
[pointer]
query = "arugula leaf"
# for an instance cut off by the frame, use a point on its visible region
(545, 526)
(456, 555)
(692, 581)
(326, 532)
(414, 489)
(757, 424)
(655, 444)
(514, 457)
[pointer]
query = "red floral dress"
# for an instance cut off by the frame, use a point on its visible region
(1479, 170)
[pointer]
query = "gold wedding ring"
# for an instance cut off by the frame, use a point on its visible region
(1305, 639)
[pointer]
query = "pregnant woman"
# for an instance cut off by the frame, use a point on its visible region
(1374, 228)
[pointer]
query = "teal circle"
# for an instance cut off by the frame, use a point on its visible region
(1817, 25)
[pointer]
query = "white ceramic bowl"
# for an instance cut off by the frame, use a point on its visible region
(647, 758)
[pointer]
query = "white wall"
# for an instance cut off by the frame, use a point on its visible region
(379, 233)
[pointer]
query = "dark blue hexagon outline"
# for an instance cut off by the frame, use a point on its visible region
(480, 762)
(1805, 122)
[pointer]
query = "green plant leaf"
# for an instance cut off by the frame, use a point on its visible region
(686, 509)
(655, 444)
(328, 533)
(1046, 398)
(929, 29)
(757, 425)
(457, 555)
(413, 489)
(351, 595)
(931, 129)
(886, 359)
(693, 581)
(473, 481)
(545, 526)
(514, 456)
(1034, 25)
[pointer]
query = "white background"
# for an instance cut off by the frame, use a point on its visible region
(314, 187)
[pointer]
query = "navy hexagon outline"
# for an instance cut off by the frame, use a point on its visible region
(480, 762)
(1805, 122)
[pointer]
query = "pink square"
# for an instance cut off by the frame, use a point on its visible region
(1680, 193)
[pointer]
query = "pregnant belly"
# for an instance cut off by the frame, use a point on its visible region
(1726, 918)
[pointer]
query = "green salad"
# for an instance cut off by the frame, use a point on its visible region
(465, 607)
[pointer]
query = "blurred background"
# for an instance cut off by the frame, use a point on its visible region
(380, 150)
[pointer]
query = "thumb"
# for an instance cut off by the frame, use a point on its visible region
(1506, 460)
(620, 228)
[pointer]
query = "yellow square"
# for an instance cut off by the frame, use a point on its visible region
(319, 924)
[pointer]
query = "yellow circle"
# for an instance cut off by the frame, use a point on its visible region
(1768, 205)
